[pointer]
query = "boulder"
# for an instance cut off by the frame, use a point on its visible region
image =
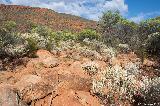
(9, 97)
(45, 59)
(32, 87)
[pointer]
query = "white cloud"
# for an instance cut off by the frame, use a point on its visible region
(90, 9)
(138, 18)
(143, 16)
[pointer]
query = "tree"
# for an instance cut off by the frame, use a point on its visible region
(148, 27)
(127, 31)
(108, 23)
(153, 44)
(115, 29)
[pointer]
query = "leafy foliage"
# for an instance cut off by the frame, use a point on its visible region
(117, 30)
(12, 45)
(153, 44)
(88, 33)
(9, 25)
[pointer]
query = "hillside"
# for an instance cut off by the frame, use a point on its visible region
(26, 16)
(116, 63)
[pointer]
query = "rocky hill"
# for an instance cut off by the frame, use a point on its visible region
(26, 16)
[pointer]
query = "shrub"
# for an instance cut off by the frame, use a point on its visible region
(153, 44)
(12, 45)
(37, 41)
(118, 82)
(64, 36)
(117, 30)
(10, 25)
(148, 27)
(42, 31)
(90, 67)
(88, 33)
(123, 48)
(150, 92)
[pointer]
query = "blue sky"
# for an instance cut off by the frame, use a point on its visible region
(135, 10)
(142, 9)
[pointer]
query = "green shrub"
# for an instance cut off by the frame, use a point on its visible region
(32, 44)
(42, 31)
(12, 45)
(41, 37)
(38, 42)
(148, 38)
(10, 25)
(153, 44)
(117, 30)
(64, 36)
(88, 33)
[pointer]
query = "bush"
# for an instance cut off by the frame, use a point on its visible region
(88, 33)
(153, 44)
(148, 43)
(118, 82)
(37, 41)
(42, 31)
(12, 45)
(10, 25)
(64, 36)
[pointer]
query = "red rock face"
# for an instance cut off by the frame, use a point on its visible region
(25, 16)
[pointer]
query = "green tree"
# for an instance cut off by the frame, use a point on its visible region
(153, 44)
(115, 29)
(127, 33)
(108, 23)
(149, 36)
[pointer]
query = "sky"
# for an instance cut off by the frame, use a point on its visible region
(135, 10)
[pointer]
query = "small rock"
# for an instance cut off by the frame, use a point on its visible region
(43, 54)
(50, 62)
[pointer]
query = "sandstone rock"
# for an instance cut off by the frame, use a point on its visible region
(69, 98)
(47, 101)
(75, 98)
(46, 59)
(32, 87)
(8, 97)
(43, 54)
(76, 82)
(50, 62)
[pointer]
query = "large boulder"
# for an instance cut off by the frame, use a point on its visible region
(9, 97)
(32, 87)
(45, 59)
